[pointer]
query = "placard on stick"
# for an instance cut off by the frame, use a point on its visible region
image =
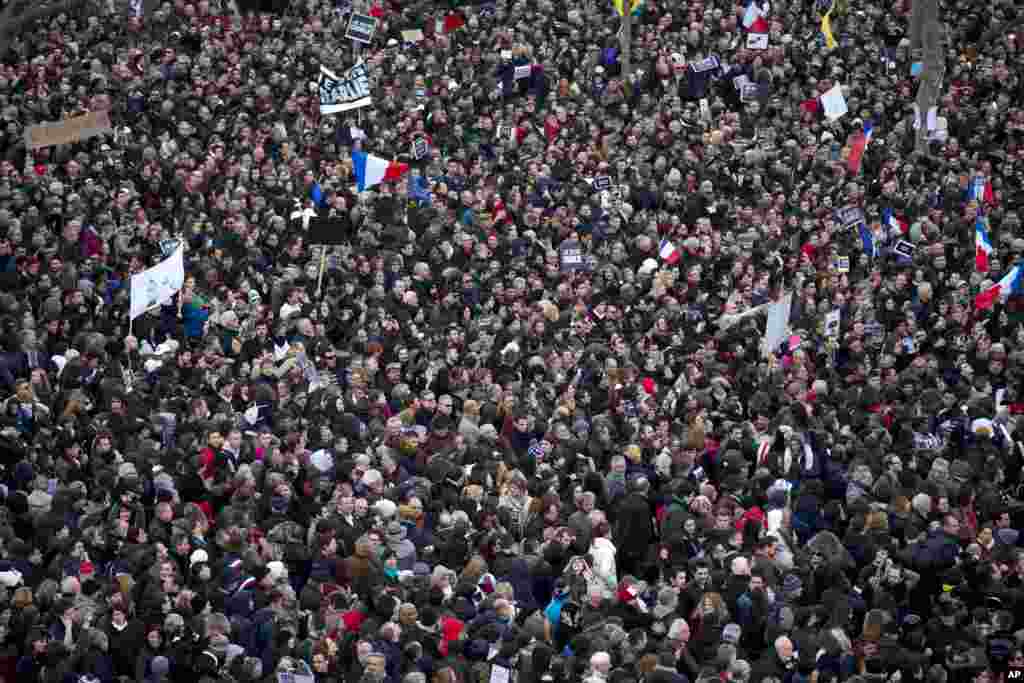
(904, 249)
(420, 149)
(757, 41)
(361, 28)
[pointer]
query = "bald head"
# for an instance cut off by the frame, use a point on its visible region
(784, 648)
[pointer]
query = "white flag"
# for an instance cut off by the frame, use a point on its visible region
(156, 285)
(778, 323)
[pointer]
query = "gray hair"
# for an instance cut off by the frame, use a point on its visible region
(740, 670)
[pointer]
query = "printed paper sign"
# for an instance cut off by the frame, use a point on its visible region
(420, 149)
(834, 103)
(571, 255)
(750, 91)
(361, 28)
(757, 41)
(904, 249)
(832, 320)
(842, 264)
(850, 215)
(523, 71)
(412, 36)
(602, 183)
(708, 64)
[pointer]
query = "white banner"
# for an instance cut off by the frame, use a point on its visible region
(158, 284)
(778, 323)
(349, 91)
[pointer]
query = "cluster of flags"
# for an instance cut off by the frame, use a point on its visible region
(1013, 282)
(893, 227)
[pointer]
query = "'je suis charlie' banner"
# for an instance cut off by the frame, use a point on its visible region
(351, 90)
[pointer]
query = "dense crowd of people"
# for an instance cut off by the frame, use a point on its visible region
(519, 422)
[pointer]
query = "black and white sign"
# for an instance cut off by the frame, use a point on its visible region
(602, 183)
(708, 64)
(571, 255)
(349, 91)
(361, 28)
(522, 72)
(749, 91)
(905, 249)
(420, 149)
(832, 323)
(757, 41)
(849, 215)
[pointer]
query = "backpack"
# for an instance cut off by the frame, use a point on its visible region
(568, 622)
(999, 650)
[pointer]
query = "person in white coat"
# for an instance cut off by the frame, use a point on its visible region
(602, 552)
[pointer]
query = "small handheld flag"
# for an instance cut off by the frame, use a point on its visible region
(982, 246)
(668, 252)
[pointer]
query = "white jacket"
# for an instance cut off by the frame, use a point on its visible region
(606, 577)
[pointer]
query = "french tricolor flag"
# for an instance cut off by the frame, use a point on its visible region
(982, 246)
(1010, 284)
(894, 225)
(370, 170)
(668, 252)
(981, 190)
(754, 19)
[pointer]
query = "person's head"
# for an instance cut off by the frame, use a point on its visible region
(951, 525)
(23, 391)
(679, 632)
(784, 648)
(601, 663)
